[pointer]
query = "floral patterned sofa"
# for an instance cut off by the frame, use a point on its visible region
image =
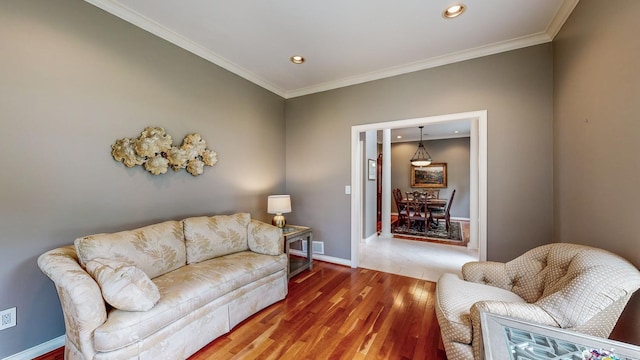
(570, 286)
(165, 290)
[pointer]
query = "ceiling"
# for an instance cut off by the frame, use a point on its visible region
(344, 42)
(444, 130)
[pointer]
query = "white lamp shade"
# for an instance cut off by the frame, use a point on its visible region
(279, 204)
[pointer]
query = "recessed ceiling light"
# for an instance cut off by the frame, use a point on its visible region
(399, 137)
(456, 132)
(297, 59)
(453, 11)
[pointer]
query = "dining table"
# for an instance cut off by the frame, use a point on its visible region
(431, 202)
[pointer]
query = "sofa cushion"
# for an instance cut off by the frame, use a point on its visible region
(592, 281)
(454, 299)
(155, 249)
(185, 290)
(124, 286)
(265, 239)
(210, 237)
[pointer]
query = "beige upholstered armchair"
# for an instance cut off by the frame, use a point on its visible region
(563, 285)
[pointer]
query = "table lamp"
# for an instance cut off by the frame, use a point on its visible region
(279, 204)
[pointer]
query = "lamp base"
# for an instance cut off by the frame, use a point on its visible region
(279, 221)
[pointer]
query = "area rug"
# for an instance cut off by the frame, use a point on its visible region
(438, 232)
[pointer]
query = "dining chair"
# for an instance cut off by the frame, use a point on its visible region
(416, 211)
(432, 194)
(436, 207)
(437, 214)
(397, 197)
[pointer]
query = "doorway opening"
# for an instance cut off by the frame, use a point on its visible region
(478, 177)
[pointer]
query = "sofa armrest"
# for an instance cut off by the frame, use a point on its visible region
(487, 272)
(522, 311)
(83, 307)
(265, 239)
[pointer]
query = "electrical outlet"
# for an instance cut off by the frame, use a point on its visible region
(7, 318)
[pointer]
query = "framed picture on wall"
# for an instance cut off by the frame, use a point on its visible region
(371, 170)
(430, 176)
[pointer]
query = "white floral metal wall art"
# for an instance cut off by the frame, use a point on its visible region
(154, 150)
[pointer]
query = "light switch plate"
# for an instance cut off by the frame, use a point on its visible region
(347, 189)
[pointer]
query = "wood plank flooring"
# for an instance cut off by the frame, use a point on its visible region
(335, 312)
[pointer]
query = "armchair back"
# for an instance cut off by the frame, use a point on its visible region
(570, 282)
(565, 285)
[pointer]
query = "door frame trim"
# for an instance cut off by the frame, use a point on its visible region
(478, 176)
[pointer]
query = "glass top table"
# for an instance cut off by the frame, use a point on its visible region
(510, 339)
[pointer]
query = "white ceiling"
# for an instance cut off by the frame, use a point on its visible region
(444, 130)
(345, 42)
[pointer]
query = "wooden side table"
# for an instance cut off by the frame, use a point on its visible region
(294, 237)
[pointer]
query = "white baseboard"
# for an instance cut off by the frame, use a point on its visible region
(333, 260)
(460, 218)
(373, 236)
(300, 253)
(330, 259)
(38, 349)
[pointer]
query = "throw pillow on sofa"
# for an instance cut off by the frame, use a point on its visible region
(124, 286)
(208, 237)
(155, 249)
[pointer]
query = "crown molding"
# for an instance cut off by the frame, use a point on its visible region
(155, 28)
(165, 33)
(565, 9)
(481, 51)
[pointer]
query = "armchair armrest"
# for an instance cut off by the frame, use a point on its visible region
(522, 311)
(265, 239)
(487, 272)
(83, 307)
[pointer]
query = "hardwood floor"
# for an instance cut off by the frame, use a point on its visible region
(57, 354)
(335, 312)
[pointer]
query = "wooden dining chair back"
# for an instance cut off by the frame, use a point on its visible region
(437, 215)
(432, 194)
(417, 213)
(397, 197)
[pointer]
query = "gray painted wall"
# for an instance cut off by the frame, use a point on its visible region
(73, 80)
(597, 135)
(454, 152)
(516, 89)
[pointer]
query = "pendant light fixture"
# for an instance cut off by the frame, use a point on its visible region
(421, 157)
